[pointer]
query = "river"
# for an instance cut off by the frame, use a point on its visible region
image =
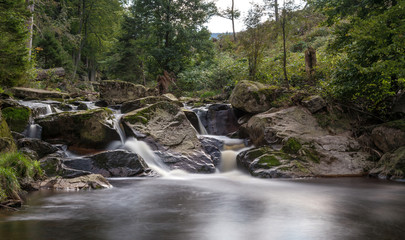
(226, 206)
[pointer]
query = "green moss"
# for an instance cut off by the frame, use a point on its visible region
(311, 155)
(143, 115)
(9, 184)
(300, 167)
(24, 167)
(268, 161)
(255, 153)
(17, 117)
(292, 146)
(398, 124)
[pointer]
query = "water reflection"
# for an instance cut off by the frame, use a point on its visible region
(228, 206)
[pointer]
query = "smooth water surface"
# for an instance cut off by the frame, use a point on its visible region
(223, 206)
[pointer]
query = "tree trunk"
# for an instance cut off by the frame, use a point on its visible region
(310, 64)
(30, 26)
(283, 23)
(79, 50)
(233, 20)
(276, 10)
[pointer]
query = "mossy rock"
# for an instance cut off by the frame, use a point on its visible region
(143, 115)
(7, 143)
(391, 165)
(17, 117)
(87, 129)
(398, 124)
(268, 161)
(144, 102)
(254, 97)
(292, 146)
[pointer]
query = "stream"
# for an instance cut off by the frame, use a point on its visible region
(227, 205)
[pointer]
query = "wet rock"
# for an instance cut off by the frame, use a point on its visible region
(117, 163)
(101, 103)
(17, 117)
(221, 119)
(82, 106)
(254, 97)
(115, 92)
(314, 103)
(130, 106)
(31, 94)
(212, 147)
(193, 118)
(166, 128)
(40, 147)
(334, 155)
(389, 136)
(87, 129)
(53, 165)
(93, 181)
(391, 165)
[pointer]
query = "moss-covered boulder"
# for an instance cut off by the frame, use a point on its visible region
(7, 143)
(391, 165)
(254, 97)
(314, 103)
(17, 117)
(300, 134)
(130, 106)
(167, 130)
(84, 129)
(39, 94)
(116, 92)
(389, 136)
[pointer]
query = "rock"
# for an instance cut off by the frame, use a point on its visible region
(193, 118)
(31, 93)
(130, 106)
(117, 163)
(101, 103)
(115, 92)
(53, 166)
(93, 181)
(17, 117)
(82, 106)
(166, 128)
(389, 136)
(254, 97)
(86, 129)
(391, 165)
(212, 147)
(40, 147)
(171, 97)
(298, 131)
(314, 103)
(221, 120)
(7, 143)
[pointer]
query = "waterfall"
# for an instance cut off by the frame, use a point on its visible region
(117, 126)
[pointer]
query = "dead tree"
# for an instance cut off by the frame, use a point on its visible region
(310, 64)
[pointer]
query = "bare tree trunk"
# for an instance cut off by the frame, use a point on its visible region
(310, 64)
(283, 23)
(276, 10)
(79, 50)
(233, 20)
(30, 26)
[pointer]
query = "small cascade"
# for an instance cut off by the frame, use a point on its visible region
(203, 131)
(143, 150)
(228, 161)
(33, 131)
(117, 126)
(200, 112)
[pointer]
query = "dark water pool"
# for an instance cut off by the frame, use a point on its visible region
(222, 207)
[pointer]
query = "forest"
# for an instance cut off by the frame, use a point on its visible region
(359, 46)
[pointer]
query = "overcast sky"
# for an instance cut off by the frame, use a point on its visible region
(222, 25)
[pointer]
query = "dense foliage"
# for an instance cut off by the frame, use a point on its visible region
(14, 63)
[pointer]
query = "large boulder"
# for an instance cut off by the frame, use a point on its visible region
(40, 147)
(389, 136)
(314, 103)
(116, 163)
(337, 155)
(84, 129)
(32, 93)
(166, 128)
(130, 106)
(116, 92)
(7, 143)
(391, 165)
(93, 181)
(254, 97)
(221, 119)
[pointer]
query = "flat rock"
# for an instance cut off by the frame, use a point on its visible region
(32, 93)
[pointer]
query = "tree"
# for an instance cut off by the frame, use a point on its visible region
(13, 38)
(285, 15)
(231, 14)
(371, 69)
(164, 35)
(273, 4)
(253, 39)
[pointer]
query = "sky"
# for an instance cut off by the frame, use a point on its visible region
(222, 25)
